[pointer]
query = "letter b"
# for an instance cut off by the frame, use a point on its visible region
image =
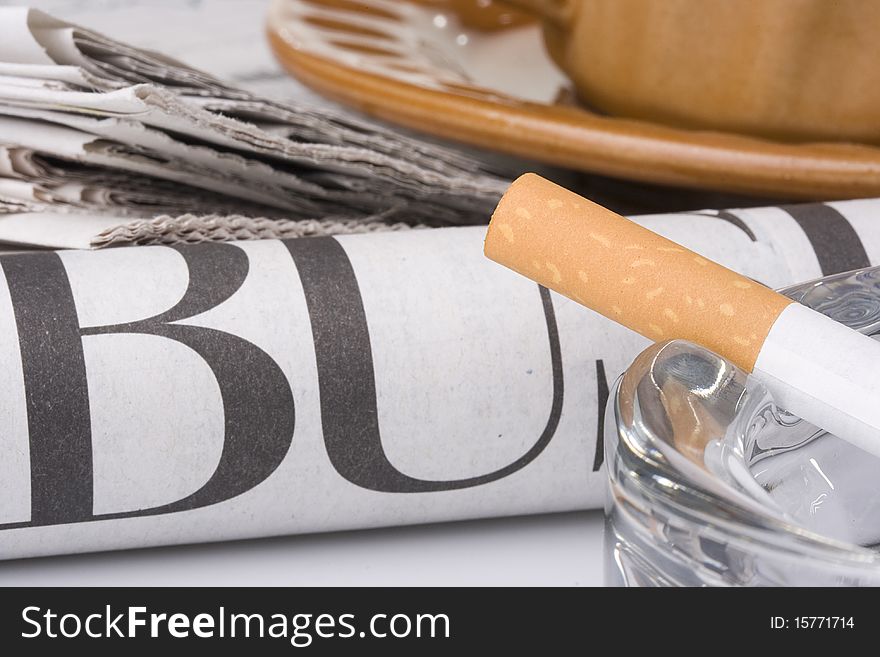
(257, 400)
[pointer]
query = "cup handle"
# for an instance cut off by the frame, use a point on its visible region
(558, 12)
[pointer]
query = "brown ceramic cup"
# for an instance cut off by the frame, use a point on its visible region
(800, 70)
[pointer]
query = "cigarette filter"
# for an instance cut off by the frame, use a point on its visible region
(815, 367)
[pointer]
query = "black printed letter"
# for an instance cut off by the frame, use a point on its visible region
(257, 399)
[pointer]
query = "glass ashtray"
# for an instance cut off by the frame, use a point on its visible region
(712, 484)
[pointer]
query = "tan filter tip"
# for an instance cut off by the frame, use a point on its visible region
(628, 273)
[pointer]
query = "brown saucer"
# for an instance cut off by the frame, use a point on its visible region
(477, 72)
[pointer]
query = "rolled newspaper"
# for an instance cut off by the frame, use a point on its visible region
(161, 395)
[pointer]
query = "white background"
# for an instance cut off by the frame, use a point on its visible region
(563, 549)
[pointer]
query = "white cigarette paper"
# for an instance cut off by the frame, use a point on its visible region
(825, 373)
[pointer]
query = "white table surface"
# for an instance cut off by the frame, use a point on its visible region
(551, 550)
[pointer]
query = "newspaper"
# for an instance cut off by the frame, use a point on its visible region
(98, 130)
(175, 394)
(225, 37)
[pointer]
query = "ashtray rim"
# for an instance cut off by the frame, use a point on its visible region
(656, 479)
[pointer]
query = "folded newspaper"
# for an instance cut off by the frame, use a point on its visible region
(171, 394)
(102, 143)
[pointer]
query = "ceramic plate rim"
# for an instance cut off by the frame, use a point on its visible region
(588, 142)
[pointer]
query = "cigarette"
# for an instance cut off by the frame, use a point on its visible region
(816, 368)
